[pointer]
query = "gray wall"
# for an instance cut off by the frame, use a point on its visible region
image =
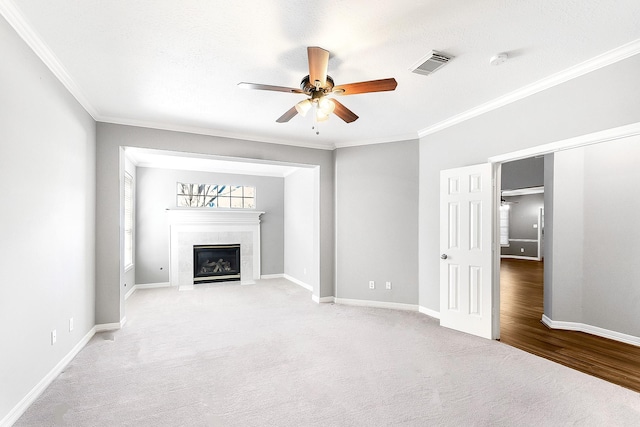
(523, 213)
(156, 192)
(596, 207)
(377, 221)
(47, 175)
(523, 173)
(300, 214)
(603, 99)
(110, 137)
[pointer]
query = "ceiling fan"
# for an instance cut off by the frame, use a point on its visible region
(318, 86)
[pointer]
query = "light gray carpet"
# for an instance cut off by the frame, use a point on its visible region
(266, 355)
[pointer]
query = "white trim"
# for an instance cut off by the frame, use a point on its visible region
(380, 140)
(298, 282)
(523, 191)
(429, 312)
(322, 300)
(146, 286)
(104, 327)
(153, 285)
(377, 304)
(130, 292)
(13, 15)
(530, 258)
(589, 329)
(197, 130)
(272, 276)
(600, 61)
(16, 412)
(612, 134)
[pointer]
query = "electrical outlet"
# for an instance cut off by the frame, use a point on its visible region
(522, 250)
(535, 225)
(53, 337)
(388, 285)
(372, 284)
(70, 324)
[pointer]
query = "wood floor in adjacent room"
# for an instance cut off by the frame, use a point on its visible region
(521, 309)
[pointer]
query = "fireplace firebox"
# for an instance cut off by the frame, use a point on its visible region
(216, 263)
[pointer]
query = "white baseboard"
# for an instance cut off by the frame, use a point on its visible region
(103, 327)
(272, 276)
(153, 285)
(377, 304)
(429, 312)
(321, 300)
(35, 392)
(530, 258)
(593, 330)
(298, 282)
(146, 286)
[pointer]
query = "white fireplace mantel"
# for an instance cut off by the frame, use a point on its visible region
(188, 227)
(212, 216)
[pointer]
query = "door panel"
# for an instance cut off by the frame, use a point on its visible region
(466, 243)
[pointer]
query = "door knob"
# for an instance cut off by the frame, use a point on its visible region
(444, 256)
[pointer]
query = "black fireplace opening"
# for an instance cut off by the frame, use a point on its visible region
(216, 263)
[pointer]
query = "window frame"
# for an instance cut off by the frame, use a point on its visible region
(194, 196)
(128, 222)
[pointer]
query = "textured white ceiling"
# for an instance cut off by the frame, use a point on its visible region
(176, 65)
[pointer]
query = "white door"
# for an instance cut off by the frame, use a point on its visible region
(466, 248)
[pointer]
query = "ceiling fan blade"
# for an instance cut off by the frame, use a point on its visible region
(269, 87)
(318, 63)
(288, 115)
(381, 85)
(343, 112)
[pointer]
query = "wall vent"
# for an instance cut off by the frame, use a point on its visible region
(430, 63)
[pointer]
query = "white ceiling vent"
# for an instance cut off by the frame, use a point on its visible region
(430, 63)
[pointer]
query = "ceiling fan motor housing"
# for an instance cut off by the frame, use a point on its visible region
(308, 87)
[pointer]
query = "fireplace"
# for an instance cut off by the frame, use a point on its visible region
(190, 227)
(216, 263)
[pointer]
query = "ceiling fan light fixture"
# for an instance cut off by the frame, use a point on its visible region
(326, 106)
(303, 107)
(321, 116)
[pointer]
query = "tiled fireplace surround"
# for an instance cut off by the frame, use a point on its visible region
(190, 227)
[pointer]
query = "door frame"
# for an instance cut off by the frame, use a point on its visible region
(496, 168)
(612, 134)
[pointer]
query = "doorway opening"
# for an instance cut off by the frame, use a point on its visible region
(521, 248)
(523, 299)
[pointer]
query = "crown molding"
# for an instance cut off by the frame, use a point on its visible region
(600, 61)
(211, 132)
(15, 18)
(373, 141)
(255, 138)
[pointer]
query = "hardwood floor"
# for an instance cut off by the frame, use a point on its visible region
(521, 308)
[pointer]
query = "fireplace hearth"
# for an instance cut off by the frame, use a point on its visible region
(216, 263)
